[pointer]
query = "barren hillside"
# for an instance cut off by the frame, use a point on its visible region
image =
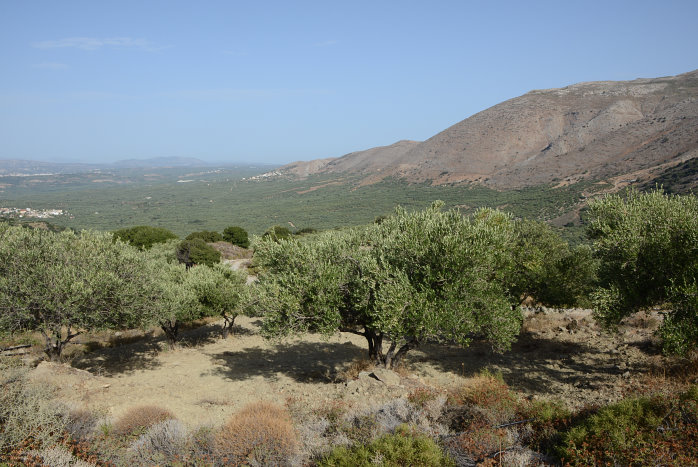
(591, 130)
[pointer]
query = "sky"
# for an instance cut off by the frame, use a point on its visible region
(279, 81)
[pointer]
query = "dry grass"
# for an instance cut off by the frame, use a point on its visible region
(260, 434)
(139, 419)
(352, 371)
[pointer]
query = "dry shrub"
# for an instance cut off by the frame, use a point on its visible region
(163, 443)
(259, 434)
(28, 410)
(138, 419)
(478, 442)
(82, 423)
(354, 369)
(489, 396)
(642, 320)
(60, 456)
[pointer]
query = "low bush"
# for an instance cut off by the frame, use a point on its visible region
(637, 431)
(404, 447)
(208, 236)
(60, 456)
(259, 434)
(237, 236)
(82, 424)
(479, 442)
(27, 410)
(138, 419)
(162, 444)
(489, 399)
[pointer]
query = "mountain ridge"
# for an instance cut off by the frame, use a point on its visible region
(588, 130)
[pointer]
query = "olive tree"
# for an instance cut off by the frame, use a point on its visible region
(648, 247)
(237, 236)
(177, 302)
(61, 284)
(197, 251)
(220, 291)
(208, 236)
(144, 236)
(427, 275)
(547, 269)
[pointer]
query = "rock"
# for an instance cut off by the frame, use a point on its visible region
(386, 376)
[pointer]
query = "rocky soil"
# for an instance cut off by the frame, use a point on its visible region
(558, 356)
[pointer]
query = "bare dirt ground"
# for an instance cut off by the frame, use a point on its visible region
(558, 356)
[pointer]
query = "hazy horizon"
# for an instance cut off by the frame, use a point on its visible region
(276, 82)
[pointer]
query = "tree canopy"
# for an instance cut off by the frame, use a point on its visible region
(648, 247)
(237, 236)
(208, 236)
(144, 236)
(427, 275)
(63, 283)
(547, 269)
(197, 251)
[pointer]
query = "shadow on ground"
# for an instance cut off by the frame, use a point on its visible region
(141, 353)
(305, 362)
(535, 364)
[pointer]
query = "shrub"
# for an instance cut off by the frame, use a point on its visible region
(490, 398)
(637, 431)
(197, 251)
(138, 419)
(477, 443)
(404, 447)
(208, 236)
(648, 246)
(27, 409)
(306, 231)
(144, 236)
(261, 433)
(277, 233)
(162, 444)
(420, 397)
(59, 456)
(237, 236)
(81, 424)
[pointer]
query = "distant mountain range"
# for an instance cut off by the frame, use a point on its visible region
(635, 130)
(28, 167)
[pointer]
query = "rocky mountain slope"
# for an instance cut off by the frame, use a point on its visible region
(598, 130)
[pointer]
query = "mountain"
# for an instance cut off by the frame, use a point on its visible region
(597, 130)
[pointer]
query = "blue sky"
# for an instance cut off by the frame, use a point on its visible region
(283, 81)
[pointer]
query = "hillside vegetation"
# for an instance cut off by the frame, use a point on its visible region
(413, 280)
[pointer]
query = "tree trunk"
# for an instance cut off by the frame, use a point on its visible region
(229, 322)
(375, 346)
(392, 358)
(171, 330)
(55, 343)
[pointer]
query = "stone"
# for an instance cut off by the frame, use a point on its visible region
(388, 377)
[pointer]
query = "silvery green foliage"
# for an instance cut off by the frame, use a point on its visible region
(62, 283)
(189, 294)
(27, 409)
(220, 291)
(59, 456)
(648, 246)
(161, 444)
(548, 269)
(417, 276)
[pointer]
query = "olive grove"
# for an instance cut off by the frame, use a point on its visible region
(421, 276)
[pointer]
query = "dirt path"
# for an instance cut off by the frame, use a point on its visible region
(558, 356)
